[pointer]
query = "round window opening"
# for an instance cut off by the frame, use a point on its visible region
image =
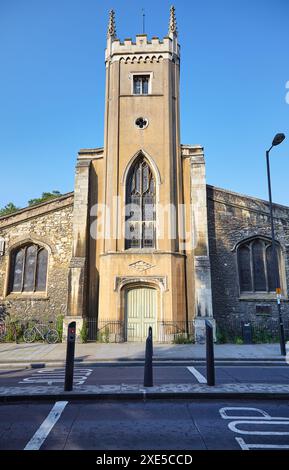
(141, 123)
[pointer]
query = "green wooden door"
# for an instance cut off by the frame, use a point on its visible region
(141, 313)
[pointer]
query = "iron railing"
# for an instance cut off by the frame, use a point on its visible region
(263, 329)
(175, 332)
(107, 331)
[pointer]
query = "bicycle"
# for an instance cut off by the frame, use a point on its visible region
(43, 330)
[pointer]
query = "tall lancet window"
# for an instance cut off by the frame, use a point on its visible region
(140, 206)
(28, 269)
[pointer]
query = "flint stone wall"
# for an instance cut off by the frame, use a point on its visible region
(50, 225)
(232, 218)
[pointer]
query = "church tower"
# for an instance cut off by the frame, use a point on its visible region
(142, 172)
(142, 123)
(133, 262)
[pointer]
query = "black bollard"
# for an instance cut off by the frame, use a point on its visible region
(151, 335)
(210, 354)
(148, 371)
(68, 386)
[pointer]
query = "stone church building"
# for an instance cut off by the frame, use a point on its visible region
(143, 240)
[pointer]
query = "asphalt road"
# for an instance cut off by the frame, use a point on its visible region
(152, 425)
(168, 374)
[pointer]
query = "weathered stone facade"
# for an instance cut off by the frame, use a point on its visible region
(232, 218)
(183, 268)
(49, 225)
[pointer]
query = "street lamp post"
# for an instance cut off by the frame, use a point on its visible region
(278, 139)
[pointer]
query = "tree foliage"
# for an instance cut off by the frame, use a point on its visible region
(44, 197)
(8, 209)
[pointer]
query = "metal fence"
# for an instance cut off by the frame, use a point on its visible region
(107, 331)
(176, 332)
(111, 332)
(263, 329)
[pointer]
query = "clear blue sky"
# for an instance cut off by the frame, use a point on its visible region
(235, 66)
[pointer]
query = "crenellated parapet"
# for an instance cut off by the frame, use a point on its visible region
(143, 50)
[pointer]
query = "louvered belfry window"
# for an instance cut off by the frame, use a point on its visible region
(29, 269)
(140, 206)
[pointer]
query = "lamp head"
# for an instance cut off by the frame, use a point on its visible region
(278, 139)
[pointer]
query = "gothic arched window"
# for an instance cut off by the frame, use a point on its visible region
(140, 206)
(28, 271)
(256, 265)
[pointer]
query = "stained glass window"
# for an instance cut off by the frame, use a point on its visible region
(29, 269)
(259, 266)
(17, 271)
(245, 269)
(256, 266)
(270, 267)
(41, 271)
(140, 206)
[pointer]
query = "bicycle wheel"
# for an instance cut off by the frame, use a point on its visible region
(29, 335)
(52, 336)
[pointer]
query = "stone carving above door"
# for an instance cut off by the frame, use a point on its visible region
(126, 281)
(141, 266)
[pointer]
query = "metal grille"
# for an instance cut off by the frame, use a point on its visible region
(176, 332)
(108, 331)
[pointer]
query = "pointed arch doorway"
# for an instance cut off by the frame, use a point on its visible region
(141, 307)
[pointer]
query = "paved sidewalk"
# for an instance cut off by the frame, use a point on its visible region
(29, 354)
(125, 392)
(47, 355)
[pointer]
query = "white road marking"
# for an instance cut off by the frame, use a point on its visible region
(233, 427)
(79, 370)
(245, 446)
(52, 380)
(200, 378)
(41, 434)
(258, 418)
(242, 443)
(50, 376)
(223, 413)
